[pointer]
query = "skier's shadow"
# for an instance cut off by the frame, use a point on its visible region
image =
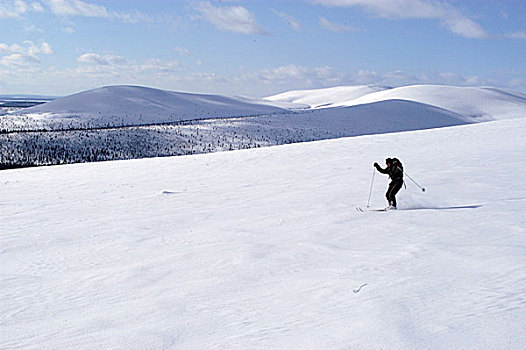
(445, 208)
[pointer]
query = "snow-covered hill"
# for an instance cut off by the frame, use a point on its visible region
(95, 125)
(203, 136)
(263, 248)
(478, 104)
(323, 98)
(133, 105)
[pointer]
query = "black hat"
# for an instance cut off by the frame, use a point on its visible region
(388, 161)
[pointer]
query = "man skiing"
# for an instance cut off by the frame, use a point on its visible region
(396, 172)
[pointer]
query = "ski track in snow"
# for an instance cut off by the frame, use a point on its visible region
(264, 249)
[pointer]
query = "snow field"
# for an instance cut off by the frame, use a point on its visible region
(263, 248)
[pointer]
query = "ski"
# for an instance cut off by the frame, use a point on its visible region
(363, 210)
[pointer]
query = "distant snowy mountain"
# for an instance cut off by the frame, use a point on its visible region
(88, 126)
(134, 105)
(323, 98)
(8, 102)
(123, 122)
(478, 104)
(27, 97)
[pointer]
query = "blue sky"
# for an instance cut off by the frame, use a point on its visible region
(259, 48)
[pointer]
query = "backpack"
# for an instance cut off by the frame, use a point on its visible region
(398, 169)
(397, 163)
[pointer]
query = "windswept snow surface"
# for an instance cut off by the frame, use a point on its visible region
(264, 248)
(135, 105)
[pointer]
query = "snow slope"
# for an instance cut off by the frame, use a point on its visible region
(212, 135)
(328, 97)
(264, 248)
(478, 104)
(141, 105)
(365, 119)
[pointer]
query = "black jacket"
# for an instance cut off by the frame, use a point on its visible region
(394, 171)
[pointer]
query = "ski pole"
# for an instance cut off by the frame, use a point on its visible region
(410, 178)
(371, 189)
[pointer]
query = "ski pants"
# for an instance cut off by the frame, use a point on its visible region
(393, 189)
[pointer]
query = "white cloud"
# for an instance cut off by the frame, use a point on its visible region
(516, 35)
(154, 64)
(36, 7)
(135, 17)
(69, 8)
(465, 27)
(450, 78)
(106, 60)
(402, 77)
(235, 19)
(335, 27)
(292, 21)
(294, 75)
(33, 49)
(447, 14)
(6, 49)
(94, 63)
(77, 8)
(15, 8)
(32, 29)
(68, 29)
(366, 76)
(389, 8)
(47, 49)
(24, 72)
(23, 56)
(19, 60)
(182, 51)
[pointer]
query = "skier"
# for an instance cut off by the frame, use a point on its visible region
(396, 172)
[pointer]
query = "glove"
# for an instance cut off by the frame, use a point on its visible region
(375, 165)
